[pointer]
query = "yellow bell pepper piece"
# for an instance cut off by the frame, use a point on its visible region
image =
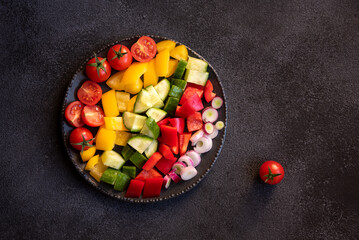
(115, 81)
(131, 104)
(87, 154)
(134, 88)
(98, 170)
(180, 53)
(166, 44)
(171, 67)
(105, 139)
(109, 104)
(162, 63)
(134, 72)
(150, 77)
(92, 162)
(122, 138)
(115, 123)
(102, 126)
(122, 100)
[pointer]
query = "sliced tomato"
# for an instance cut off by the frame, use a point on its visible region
(93, 116)
(90, 93)
(73, 114)
(144, 49)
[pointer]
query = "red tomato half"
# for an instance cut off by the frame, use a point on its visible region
(98, 69)
(89, 93)
(271, 172)
(81, 138)
(93, 116)
(144, 49)
(119, 57)
(73, 114)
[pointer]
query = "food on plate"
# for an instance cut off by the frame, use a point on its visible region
(98, 69)
(81, 139)
(271, 172)
(119, 57)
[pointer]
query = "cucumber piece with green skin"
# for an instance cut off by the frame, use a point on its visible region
(129, 171)
(143, 102)
(179, 83)
(151, 149)
(109, 176)
(156, 113)
(175, 92)
(155, 98)
(197, 64)
(196, 77)
(171, 105)
(127, 152)
(180, 69)
(122, 181)
(133, 122)
(138, 160)
(150, 128)
(140, 142)
(163, 88)
(112, 159)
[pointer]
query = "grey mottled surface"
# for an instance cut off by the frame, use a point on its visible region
(290, 72)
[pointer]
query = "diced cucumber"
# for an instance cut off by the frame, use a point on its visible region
(133, 121)
(179, 83)
(150, 128)
(138, 160)
(171, 105)
(129, 171)
(175, 92)
(196, 77)
(156, 113)
(143, 102)
(109, 176)
(127, 152)
(151, 149)
(180, 69)
(162, 88)
(155, 98)
(122, 181)
(197, 64)
(140, 142)
(112, 159)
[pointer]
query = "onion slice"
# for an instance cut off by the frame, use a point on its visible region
(195, 156)
(204, 144)
(209, 115)
(219, 125)
(208, 128)
(187, 160)
(217, 102)
(173, 175)
(197, 135)
(214, 134)
(188, 172)
(178, 166)
(166, 181)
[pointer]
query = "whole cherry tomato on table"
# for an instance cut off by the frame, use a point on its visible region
(81, 138)
(144, 49)
(271, 172)
(73, 113)
(98, 69)
(89, 93)
(119, 57)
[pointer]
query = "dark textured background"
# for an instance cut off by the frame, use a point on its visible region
(289, 70)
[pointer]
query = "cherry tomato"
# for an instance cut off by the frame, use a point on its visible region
(144, 49)
(93, 116)
(81, 138)
(119, 57)
(73, 114)
(89, 93)
(98, 69)
(271, 172)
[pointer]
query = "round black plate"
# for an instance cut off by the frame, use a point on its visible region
(208, 159)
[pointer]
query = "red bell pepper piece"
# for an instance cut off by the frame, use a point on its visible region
(183, 142)
(189, 93)
(193, 85)
(208, 91)
(134, 190)
(178, 123)
(166, 152)
(165, 165)
(174, 149)
(192, 105)
(152, 173)
(169, 135)
(194, 122)
(163, 122)
(152, 187)
(177, 108)
(151, 162)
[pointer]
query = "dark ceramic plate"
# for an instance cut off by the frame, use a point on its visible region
(208, 159)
